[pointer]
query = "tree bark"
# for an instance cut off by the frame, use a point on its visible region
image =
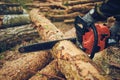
(49, 72)
(71, 3)
(51, 5)
(80, 8)
(24, 67)
(69, 21)
(75, 64)
(46, 29)
(8, 8)
(12, 36)
(64, 16)
(70, 33)
(14, 20)
(108, 60)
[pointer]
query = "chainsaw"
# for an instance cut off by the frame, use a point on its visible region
(89, 38)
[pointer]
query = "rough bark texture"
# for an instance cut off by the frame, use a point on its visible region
(12, 36)
(14, 20)
(58, 10)
(8, 8)
(46, 29)
(82, 2)
(109, 61)
(64, 16)
(49, 72)
(75, 64)
(81, 8)
(51, 5)
(24, 67)
(70, 33)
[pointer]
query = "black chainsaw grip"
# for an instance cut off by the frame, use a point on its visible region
(81, 31)
(95, 45)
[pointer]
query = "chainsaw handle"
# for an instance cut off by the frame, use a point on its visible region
(81, 31)
(95, 45)
(82, 27)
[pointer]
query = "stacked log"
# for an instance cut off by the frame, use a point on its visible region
(24, 67)
(109, 61)
(50, 71)
(14, 20)
(60, 10)
(73, 63)
(46, 29)
(69, 62)
(11, 37)
(8, 8)
(68, 59)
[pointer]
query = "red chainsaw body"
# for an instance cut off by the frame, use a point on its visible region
(88, 38)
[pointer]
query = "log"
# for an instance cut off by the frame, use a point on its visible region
(69, 21)
(8, 8)
(75, 64)
(14, 20)
(65, 16)
(51, 5)
(83, 8)
(11, 37)
(49, 72)
(46, 29)
(24, 67)
(108, 60)
(57, 11)
(71, 3)
(70, 33)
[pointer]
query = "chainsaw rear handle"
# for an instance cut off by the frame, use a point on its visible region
(95, 44)
(80, 31)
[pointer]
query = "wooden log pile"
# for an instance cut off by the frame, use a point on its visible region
(72, 63)
(69, 62)
(17, 21)
(63, 10)
(8, 8)
(8, 21)
(11, 37)
(64, 61)
(109, 61)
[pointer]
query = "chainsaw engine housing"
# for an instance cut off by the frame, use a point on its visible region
(88, 38)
